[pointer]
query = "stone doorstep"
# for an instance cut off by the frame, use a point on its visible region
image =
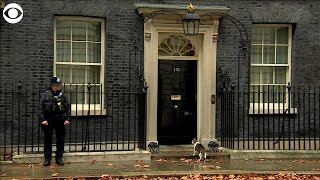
(273, 154)
(87, 157)
(188, 155)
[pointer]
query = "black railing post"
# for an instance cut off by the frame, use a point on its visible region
(87, 136)
(142, 124)
(142, 114)
(5, 122)
(289, 121)
(19, 114)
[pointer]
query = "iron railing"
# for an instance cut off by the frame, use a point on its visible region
(113, 120)
(270, 117)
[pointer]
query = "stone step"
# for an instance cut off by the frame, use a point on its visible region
(184, 151)
(187, 155)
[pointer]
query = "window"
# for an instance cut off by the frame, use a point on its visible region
(79, 57)
(270, 63)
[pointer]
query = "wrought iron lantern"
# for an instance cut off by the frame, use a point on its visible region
(190, 22)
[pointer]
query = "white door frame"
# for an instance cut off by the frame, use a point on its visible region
(206, 76)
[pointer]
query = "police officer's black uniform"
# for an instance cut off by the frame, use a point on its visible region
(55, 109)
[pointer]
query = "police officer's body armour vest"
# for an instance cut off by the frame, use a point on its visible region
(55, 102)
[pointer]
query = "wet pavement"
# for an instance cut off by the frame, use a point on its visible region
(161, 166)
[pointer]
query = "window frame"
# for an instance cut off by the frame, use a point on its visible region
(77, 109)
(277, 107)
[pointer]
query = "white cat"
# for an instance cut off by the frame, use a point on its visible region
(199, 150)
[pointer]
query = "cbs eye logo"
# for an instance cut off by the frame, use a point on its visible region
(12, 13)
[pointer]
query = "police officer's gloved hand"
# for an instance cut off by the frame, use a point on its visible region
(66, 122)
(44, 122)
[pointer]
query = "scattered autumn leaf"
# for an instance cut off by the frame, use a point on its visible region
(231, 176)
(302, 161)
(315, 169)
(205, 167)
(159, 160)
(184, 177)
(109, 164)
(54, 175)
(137, 166)
(146, 166)
(219, 162)
(291, 167)
(271, 178)
(93, 161)
(104, 176)
(220, 177)
(174, 161)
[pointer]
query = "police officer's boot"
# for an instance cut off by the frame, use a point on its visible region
(46, 162)
(59, 162)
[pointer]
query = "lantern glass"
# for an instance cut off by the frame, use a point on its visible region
(190, 23)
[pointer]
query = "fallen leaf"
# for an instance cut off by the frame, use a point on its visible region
(315, 169)
(174, 161)
(185, 177)
(54, 175)
(93, 161)
(109, 164)
(220, 177)
(159, 160)
(3, 175)
(302, 161)
(146, 166)
(187, 161)
(205, 167)
(53, 166)
(231, 176)
(218, 167)
(271, 178)
(137, 165)
(104, 175)
(291, 167)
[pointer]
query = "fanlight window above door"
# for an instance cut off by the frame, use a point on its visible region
(176, 45)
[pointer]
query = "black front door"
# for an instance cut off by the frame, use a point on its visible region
(177, 106)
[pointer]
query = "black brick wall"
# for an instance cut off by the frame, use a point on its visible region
(26, 48)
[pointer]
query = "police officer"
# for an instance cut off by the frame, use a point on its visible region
(54, 114)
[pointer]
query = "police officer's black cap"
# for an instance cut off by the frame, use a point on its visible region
(55, 80)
